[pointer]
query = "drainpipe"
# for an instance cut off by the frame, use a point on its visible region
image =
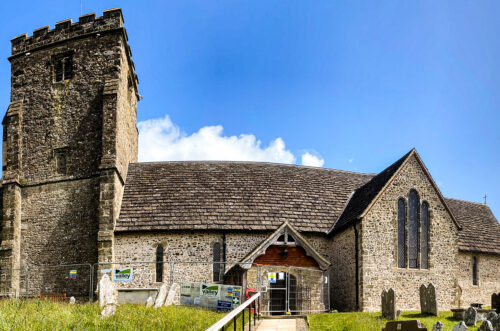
(356, 258)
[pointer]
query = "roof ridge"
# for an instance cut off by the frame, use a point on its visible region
(257, 162)
(473, 202)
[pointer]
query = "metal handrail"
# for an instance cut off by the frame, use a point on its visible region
(232, 315)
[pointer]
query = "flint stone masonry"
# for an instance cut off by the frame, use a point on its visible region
(470, 316)
(428, 301)
(388, 304)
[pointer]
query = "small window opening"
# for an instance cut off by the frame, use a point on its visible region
(290, 240)
(159, 264)
(61, 161)
(281, 239)
(474, 270)
(63, 68)
(216, 259)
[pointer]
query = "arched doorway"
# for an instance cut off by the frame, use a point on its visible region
(282, 297)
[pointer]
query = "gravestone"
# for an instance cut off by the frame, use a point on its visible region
(460, 327)
(428, 299)
(470, 316)
(495, 321)
(162, 295)
(72, 300)
(388, 304)
(414, 325)
(458, 295)
(438, 326)
(107, 296)
(486, 326)
(495, 302)
(172, 294)
(149, 302)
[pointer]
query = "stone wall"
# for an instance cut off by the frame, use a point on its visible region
(488, 278)
(343, 271)
(67, 142)
(379, 246)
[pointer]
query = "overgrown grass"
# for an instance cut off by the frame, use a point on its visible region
(45, 315)
(374, 321)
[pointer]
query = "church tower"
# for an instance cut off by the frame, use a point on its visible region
(69, 134)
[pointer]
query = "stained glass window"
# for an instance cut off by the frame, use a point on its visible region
(401, 233)
(424, 237)
(413, 220)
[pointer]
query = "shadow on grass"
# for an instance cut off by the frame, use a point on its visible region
(417, 315)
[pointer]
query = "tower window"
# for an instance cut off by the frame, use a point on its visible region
(60, 155)
(63, 66)
(159, 264)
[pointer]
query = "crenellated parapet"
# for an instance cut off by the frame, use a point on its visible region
(87, 24)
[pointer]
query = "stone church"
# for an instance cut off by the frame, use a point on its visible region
(73, 192)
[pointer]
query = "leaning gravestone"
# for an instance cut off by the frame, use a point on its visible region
(495, 302)
(107, 296)
(388, 304)
(460, 327)
(486, 326)
(149, 302)
(172, 294)
(428, 299)
(72, 300)
(438, 326)
(470, 316)
(162, 295)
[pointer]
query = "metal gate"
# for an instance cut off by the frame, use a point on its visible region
(293, 290)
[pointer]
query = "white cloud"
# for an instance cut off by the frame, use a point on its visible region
(311, 160)
(350, 160)
(161, 140)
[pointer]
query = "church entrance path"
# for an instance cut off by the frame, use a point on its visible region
(282, 324)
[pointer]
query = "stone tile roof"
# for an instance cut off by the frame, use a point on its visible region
(211, 195)
(233, 196)
(480, 229)
(365, 194)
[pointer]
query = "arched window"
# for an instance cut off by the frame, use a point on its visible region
(401, 233)
(424, 236)
(413, 225)
(474, 270)
(159, 264)
(216, 259)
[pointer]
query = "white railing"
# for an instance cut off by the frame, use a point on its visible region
(232, 315)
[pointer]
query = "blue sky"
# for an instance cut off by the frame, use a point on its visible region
(351, 85)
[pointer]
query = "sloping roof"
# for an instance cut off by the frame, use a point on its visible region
(480, 229)
(365, 194)
(233, 196)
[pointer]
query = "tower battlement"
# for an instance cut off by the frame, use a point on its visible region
(88, 25)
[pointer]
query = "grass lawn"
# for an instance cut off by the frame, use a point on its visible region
(45, 315)
(374, 321)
